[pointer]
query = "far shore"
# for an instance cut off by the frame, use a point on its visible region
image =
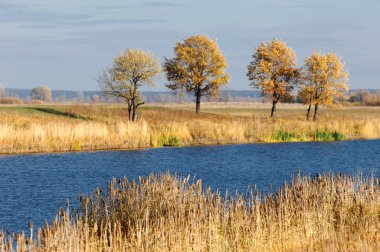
(160, 147)
(55, 128)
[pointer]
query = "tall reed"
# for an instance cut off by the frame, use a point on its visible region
(171, 213)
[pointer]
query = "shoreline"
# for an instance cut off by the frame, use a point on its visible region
(166, 147)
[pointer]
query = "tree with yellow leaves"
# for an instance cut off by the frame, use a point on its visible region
(325, 81)
(130, 71)
(198, 67)
(274, 71)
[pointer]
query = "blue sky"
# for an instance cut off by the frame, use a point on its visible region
(66, 44)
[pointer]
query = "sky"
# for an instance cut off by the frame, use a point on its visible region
(66, 44)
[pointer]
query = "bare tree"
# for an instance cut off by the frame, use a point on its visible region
(42, 93)
(80, 96)
(2, 91)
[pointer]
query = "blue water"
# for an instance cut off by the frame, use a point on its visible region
(34, 187)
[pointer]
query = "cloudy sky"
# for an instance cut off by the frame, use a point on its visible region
(65, 44)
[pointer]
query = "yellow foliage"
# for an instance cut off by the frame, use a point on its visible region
(198, 67)
(325, 79)
(131, 70)
(273, 64)
(273, 70)
(136, 67)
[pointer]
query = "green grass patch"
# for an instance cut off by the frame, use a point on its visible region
(173, 141)
(325, 136)
(338, 136)
(284, 136)
(61, 113)
(20, 110)
(166, 141)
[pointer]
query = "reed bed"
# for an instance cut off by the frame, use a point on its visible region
(75, 128)
(171, 213)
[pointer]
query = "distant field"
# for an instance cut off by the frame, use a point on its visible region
(47, 128)
(284, 111)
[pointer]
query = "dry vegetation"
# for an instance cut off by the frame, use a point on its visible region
(38, 128)
(168, 213)
(11, 100)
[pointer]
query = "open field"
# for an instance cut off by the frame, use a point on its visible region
(169, 213)
(285, 111)
(54, 128)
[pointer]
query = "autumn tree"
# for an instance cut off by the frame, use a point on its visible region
(325, 81)
(273, 69)
(42, 93)
(198, 67)
(130, 71)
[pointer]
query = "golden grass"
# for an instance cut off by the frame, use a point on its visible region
(94, 127)
(169, 213)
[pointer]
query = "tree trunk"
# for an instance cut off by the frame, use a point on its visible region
(308, 112)
(316, 112)
(198, 103)
(129, 110)
(134, 110)
(273, 113)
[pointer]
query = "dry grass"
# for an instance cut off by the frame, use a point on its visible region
(11, 100)
(168, 213)
(93, 127)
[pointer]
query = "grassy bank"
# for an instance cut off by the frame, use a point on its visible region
(167, 213)
(92, 127)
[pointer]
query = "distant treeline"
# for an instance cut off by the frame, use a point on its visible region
(149, 96)
(370, 97)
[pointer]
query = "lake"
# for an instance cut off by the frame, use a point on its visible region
(34, 187)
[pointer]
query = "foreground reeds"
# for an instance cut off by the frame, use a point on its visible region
(170, 213)
(74, 128)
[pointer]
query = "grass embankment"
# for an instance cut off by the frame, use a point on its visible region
(93, 127)
(167, 213)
